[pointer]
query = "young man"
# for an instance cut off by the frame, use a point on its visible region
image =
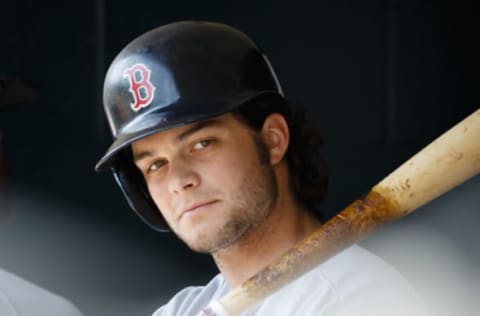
(207, 146)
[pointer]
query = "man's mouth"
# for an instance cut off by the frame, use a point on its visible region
(196, 207)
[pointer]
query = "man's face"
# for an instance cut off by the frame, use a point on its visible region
(208, 180)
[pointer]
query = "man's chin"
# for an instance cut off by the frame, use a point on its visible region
(198, 241)
(200, 247)
(203, 243)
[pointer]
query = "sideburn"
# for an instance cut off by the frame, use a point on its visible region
(264, 159)
(261, 150)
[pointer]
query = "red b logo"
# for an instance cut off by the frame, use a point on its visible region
(140, 86)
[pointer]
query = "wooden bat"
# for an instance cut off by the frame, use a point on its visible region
(448, 161)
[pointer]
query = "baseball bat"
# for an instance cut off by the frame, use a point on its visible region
(448, 161)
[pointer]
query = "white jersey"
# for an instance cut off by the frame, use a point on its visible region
(355, 282)
(19, 297)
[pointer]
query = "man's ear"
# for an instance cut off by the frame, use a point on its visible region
(276, 135)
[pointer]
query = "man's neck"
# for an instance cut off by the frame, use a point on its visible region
(284, 227)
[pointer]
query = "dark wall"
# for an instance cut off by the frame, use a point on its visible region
(381, 78)
(385, 74)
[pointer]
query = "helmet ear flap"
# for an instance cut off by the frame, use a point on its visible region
(133, 186)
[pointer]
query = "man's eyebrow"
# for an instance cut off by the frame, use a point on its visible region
(141, 155)
(196, 127)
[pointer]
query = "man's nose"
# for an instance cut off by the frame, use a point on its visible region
(182, 177)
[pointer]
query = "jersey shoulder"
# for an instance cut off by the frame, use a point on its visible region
(353, 282)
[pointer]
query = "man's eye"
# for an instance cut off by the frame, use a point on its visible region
(202, 144)
(157, 164)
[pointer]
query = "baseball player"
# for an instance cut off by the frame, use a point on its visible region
(207, 146)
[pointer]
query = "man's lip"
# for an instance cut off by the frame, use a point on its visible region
(193, 207)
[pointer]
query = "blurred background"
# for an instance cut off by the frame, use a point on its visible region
(381, 77)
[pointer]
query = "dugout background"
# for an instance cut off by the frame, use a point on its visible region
(382, 78)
